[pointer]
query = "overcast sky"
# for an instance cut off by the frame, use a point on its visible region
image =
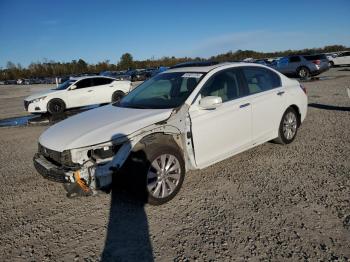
(64, 30)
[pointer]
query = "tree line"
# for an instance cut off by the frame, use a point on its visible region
(54, 69)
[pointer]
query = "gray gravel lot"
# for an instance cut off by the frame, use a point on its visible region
(272, 202)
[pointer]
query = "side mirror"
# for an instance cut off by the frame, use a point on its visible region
(72, 87)
(210, 102)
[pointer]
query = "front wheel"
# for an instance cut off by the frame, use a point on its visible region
(117, 96)
(165, 175)
(155, 174)
(56, 107)
(288, 127)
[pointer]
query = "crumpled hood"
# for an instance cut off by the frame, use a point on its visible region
(98, 126)
(40, 94)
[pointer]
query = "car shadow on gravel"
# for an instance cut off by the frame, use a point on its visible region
(127, 233)
(330, 107)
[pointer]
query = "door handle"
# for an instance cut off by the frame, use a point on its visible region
(244, 105)
(280, 93)
(90, 91)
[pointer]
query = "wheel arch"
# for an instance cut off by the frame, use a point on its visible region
(159, 138)
(303, 66)
(297, 110)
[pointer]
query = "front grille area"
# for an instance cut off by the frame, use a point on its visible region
(58, 158)
(51, 155)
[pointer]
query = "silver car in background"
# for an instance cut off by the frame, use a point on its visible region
(302, 66)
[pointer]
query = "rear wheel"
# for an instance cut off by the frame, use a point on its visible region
(56, 106)
(117, 95)
(331, 63)
(303, 72)
(288, 128)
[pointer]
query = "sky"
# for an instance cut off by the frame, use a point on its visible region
(38, 30)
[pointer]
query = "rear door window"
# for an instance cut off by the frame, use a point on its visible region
(84, 83)
(294, 59)
(315, 57)
(260, 79)
(98, 81)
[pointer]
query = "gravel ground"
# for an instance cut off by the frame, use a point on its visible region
(272, 202)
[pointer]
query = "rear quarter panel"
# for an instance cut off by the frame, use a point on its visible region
(296, 96)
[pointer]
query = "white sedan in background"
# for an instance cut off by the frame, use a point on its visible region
(342, 58)
(77, 92)
(186, 118)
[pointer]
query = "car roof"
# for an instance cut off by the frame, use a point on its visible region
(76, 78)
(206, 69)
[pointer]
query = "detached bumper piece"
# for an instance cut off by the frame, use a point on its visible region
(48, 170)
(79, 188)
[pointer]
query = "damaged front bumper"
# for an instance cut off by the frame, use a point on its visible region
(72, 179)
(50, 171)
(81, 179)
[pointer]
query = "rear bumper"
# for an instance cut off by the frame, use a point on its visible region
(50, 171)
(319, 70)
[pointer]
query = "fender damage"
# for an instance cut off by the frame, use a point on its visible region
(95, 174)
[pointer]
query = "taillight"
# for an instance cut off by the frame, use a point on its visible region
(317, 62)
(303, 87)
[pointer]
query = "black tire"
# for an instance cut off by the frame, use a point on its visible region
(117, 95)
(283, 137)
(331, 64)
(303, 72)
(135, 173)
(56, 106)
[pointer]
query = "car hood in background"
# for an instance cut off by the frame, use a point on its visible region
(41, 94)
(98, 126)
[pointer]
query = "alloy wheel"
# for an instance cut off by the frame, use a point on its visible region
(290, 125)
(163, 176)
(302, 73)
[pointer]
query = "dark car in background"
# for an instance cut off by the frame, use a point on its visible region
(118, 75)
(302, 66)
(265, 62)
(139, 74)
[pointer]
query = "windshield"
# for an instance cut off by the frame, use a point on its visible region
(64, 85)
(167, 90)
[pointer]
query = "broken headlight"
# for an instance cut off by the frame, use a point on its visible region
(66, 158)
(105, 152)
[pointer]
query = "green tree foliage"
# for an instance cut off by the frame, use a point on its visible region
(53, 69)
(126, 62)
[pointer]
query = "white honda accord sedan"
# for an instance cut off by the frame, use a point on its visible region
(77, 92)
(189, 117)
